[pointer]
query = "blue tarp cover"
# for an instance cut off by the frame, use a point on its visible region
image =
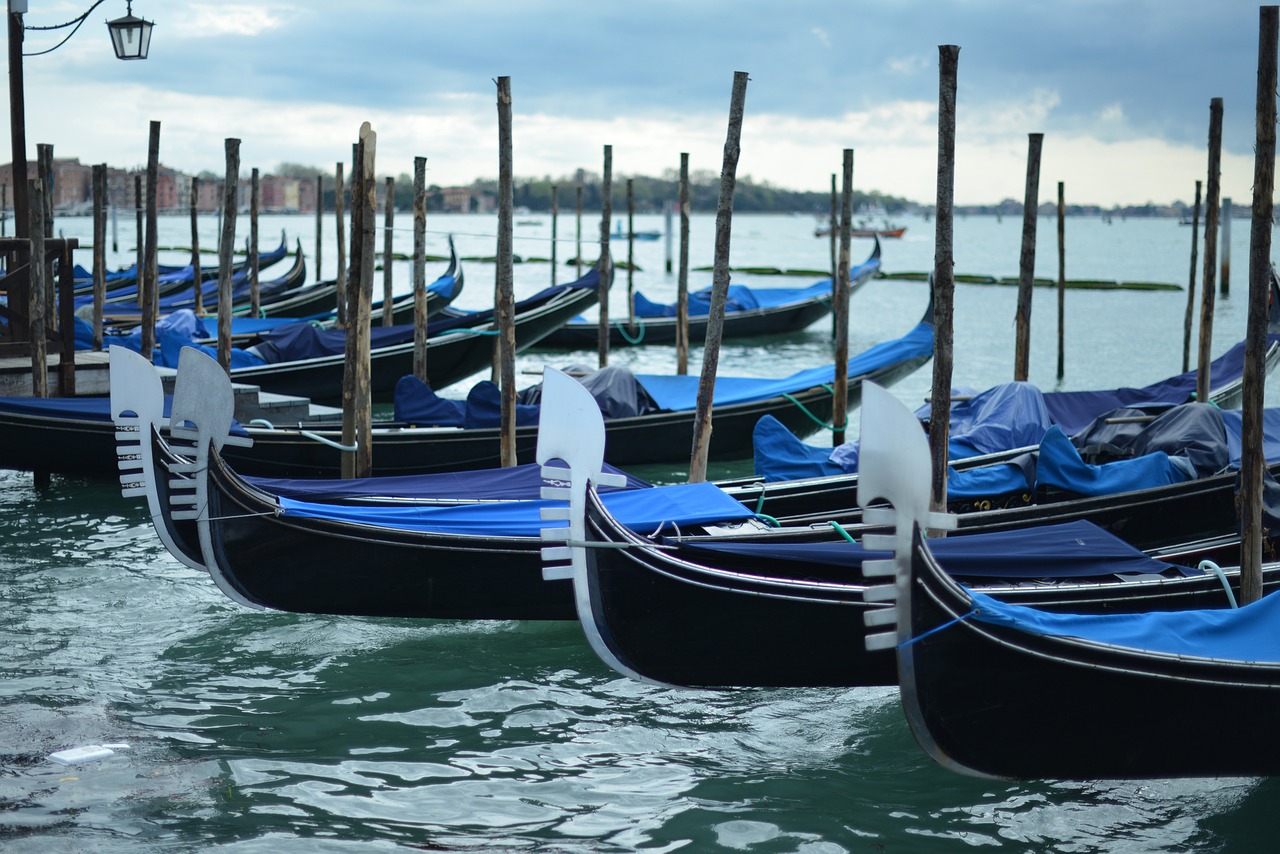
(674, 392)
(1232, 421)
(1060, 466)
(513, 483)
(1244, 634)
(642, 510)
(1078, 549)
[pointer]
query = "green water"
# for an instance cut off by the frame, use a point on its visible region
(253, 731)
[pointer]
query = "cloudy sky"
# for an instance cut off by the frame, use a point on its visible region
(1120, 88)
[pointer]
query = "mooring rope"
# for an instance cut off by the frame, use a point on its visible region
(1210, 566)
(936, 629)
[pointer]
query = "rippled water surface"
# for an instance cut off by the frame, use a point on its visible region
(252, 731)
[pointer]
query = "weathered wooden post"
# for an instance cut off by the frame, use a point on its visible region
(149, 281)
(357, 415)
(420, 268)
(255, 296)
(1224, 249)
(1253, 460)
(631, 260)
(1191, 284)
(578, 256)
(388, 223)
(340, 228)
(36, 293)
(719, 284)
(1026, 280)
(1062, 279)
(197, 275)
(44, 155)
(1207, 290)
(319, 223)
(682, 287)
(226, 247)
(606, 214)
(504, 305)
(943, 273)
(555, 224)
(667, 231)
(840, 307)
(139, 254)
(99, 250)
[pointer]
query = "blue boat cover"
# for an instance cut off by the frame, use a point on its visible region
(643, 510)
(1073, 410)
(1060, 466)
(513, 483)
(1233, 422)
(1078, 549)
(674, 392)
(78, 408)
(1230, 634)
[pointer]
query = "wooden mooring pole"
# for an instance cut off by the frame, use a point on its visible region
(1026, 279)
(226, 246)
(1224, 249)
(420, 268)
(578, 254)
(943, 273)
(319, 222)
(197, 275)
(255, 296)
(682, 277)
(1253, 460)
(357, 415)
(719, 284)
(631, 260)
(340, 233)
(504, 307)
(99, 250)
(840, 308)
(149, 280)
(1207, 289)
(555, 225)
(1062, 279)
(388, 233)
(1191, 283)
(606, 214)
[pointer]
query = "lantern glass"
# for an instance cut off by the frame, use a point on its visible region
(130, 36)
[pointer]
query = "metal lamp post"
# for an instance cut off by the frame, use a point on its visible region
(131, 39)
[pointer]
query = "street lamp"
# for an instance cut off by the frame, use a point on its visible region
(130, 36)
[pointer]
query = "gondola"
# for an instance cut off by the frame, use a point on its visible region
(310, 450)
(749, 311)
(999, 690)
(123, 299)
(447, 565)
(305, 361)
(317, 301)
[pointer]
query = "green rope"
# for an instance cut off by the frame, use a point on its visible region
(625, 337)
(842, 532)
(815, 419)
(773, 522)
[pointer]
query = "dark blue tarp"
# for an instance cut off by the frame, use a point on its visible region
(1231, 634)
(417, 403)
(642, 510)
(1078, 549)
(1231, 421)
(513, 483)
(1073, 410)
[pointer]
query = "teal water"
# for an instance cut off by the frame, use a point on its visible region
(253, 731)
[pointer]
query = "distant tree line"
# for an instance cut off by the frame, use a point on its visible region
(649, 194)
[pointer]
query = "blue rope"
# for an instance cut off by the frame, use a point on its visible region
(937, 629)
